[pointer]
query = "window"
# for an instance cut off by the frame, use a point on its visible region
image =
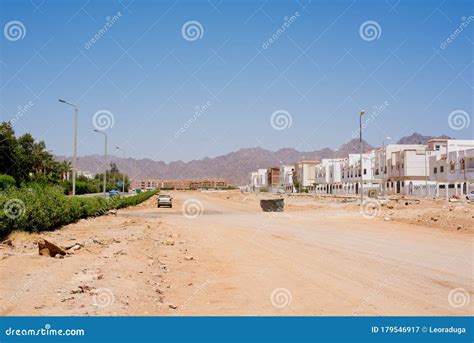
(435, 170)
(441, 169)
(365, 171)
(451, 167)
(437, 147)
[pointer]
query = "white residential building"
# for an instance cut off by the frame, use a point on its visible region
(451, 167)
(258, 180)
(352, 169)
(417, 169)
(286, 177)
(329, 175)
(86, 174)
(402, 169)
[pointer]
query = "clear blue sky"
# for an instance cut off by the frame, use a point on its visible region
(320, 70)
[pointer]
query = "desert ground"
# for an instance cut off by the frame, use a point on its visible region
(217, 253)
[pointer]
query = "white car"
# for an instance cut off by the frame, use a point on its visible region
(165, 200)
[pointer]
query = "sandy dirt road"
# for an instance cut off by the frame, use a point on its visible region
(219, 254)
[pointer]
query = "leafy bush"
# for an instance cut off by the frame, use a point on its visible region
(38, 208)
(6, 181)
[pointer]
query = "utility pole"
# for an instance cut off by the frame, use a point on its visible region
(123, 174)
(361, 188)
(74, 154)
(384, 186)
(105, 163)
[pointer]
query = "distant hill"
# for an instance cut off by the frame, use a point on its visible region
(418, 138)
(234, 167)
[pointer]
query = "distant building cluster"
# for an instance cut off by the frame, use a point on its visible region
(440, 168)
(150, 184)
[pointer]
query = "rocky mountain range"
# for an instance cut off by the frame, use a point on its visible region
(417, 138)
(233, 167)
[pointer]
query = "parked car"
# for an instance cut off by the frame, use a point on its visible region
(470, 196)
(114, 193)
(165, 200)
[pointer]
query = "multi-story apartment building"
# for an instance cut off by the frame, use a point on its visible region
(286, 177)
(451, 167)
(401, 168)
(305, 174)
(258, 180)
(147, 184)
(441, 168)
(179, 184)
(273, 178)
(418, 169)
(352, 170)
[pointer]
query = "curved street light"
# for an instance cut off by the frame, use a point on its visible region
(74, 155)
(123, 174)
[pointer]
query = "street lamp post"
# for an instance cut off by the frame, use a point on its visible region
(361, 188)
(384, 164)
(333, 174)
(105, 162)
(123, 174)
(74, 157)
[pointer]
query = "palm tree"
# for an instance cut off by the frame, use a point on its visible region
(65, 168)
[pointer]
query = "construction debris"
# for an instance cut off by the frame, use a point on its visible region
(272, 205)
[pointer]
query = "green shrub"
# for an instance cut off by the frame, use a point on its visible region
(38, 208)
(6, 181)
